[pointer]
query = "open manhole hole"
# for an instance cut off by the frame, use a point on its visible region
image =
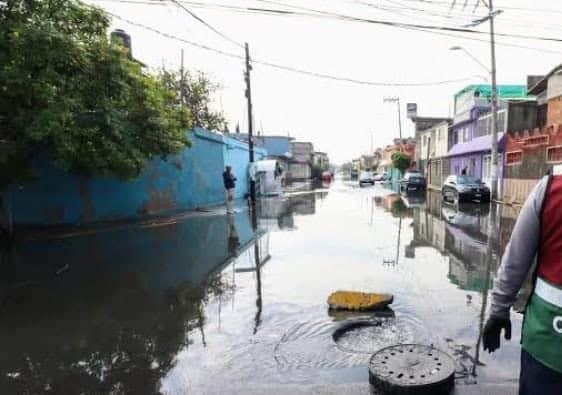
(412, 369)
(370, 335)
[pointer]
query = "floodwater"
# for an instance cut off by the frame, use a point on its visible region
(209, 305)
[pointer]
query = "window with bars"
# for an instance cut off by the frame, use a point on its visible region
(513, 157)
(554, 154)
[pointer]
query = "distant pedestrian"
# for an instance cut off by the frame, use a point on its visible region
(537, 235)
(464, 171)
(229, 186)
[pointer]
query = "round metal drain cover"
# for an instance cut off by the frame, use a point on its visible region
(412, 369)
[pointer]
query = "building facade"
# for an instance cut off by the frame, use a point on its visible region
(321, 160)
(422, 124)
(532, 150)
(300, 164)
(470, 135)
(432, 151)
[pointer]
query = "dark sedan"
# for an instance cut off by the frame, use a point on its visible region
(460, 189)
(412, 182)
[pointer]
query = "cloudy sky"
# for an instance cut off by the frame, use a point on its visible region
(340, 117)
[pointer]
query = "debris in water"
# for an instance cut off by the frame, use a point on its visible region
(358, 301)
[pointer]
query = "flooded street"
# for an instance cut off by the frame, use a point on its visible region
(204, 305)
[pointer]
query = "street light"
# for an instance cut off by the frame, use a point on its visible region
(395, 99)
(459, 48)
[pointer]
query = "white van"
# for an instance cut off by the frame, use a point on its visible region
(269, 177)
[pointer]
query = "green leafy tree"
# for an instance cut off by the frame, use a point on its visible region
(401, 161)
(194, 90)
(67, 92)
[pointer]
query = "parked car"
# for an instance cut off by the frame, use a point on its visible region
(381, 177)
(413, 181)
(366, 177)
(410, 172)
(459, 189)
(467, 216)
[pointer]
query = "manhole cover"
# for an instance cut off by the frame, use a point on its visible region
(412, 369)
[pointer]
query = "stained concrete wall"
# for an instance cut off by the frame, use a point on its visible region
(185, 181)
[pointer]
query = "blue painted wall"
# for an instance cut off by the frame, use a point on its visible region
(185, 181)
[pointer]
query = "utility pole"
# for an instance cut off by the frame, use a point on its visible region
(250, 121)
(494, 169)
(396, 100)
(494, 99)
(399, 118)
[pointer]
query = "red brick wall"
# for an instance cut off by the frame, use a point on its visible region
(554, 112)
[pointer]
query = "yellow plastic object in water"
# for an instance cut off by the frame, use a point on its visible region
(360, 301)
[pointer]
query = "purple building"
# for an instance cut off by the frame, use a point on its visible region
(470, 135)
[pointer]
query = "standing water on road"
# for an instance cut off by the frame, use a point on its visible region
(206, 305)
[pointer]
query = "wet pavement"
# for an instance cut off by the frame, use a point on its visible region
(208, 305)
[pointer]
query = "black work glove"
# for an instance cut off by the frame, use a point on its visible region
(492, 332)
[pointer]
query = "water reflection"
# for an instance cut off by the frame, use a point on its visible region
(461, 233)
(110, 311)
(277, 212)
(217, 301)
(472, 237)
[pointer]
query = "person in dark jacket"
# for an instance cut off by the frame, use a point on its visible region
(229, 188)
(537, 235)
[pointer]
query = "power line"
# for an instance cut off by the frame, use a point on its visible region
(447, 15)
(412, 25)
(183, 7)
(453, 15)
(349, 18)
(284, 67)
(442, 31)
(447, 4)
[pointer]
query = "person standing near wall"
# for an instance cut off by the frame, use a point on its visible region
(229, 186)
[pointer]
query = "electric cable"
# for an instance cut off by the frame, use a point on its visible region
(288, 68)
(224, 36)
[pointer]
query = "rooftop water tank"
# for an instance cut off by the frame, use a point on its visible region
(121, 37)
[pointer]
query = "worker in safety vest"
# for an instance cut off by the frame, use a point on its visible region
(537, 234)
